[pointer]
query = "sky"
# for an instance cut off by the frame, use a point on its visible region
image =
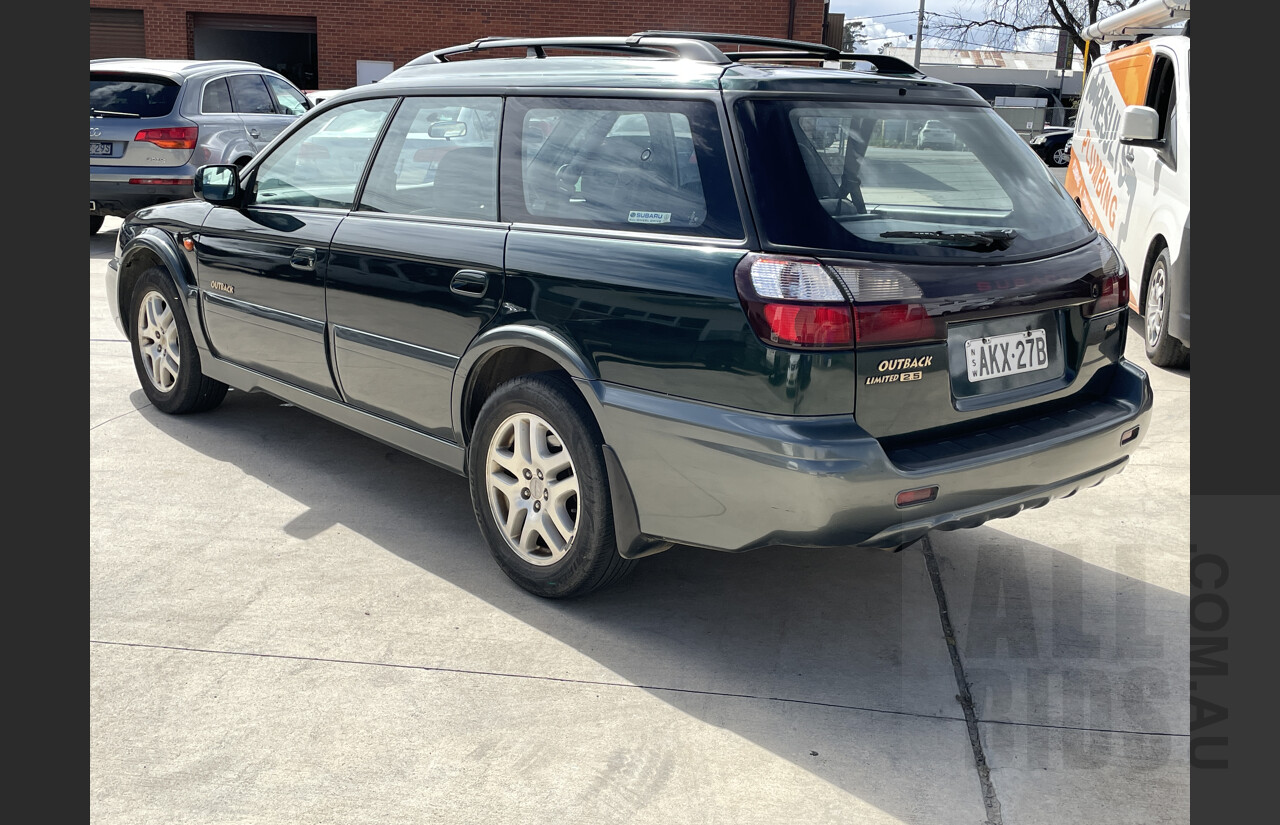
(890, 21)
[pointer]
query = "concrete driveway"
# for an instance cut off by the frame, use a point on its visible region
(291, 623)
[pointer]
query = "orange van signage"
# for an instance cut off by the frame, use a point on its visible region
(1095, 151)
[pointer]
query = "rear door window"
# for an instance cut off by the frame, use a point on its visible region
(624, 164)
(249, 94)
(115, 94)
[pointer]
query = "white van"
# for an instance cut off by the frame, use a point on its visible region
(1130, 168)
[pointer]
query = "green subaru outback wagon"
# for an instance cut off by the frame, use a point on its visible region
(671, 289)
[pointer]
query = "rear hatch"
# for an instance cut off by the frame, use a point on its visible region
(133, 121)
(969, 284)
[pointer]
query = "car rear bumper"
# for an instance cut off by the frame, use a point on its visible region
(731, 480)
(111, 193)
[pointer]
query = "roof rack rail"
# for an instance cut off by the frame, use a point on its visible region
(536, 47)
(690, 45)
(783, 49)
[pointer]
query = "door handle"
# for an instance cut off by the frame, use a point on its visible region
(470, 283)
(304, 257)
(253, 132)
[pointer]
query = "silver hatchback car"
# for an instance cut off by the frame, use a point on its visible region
(152, 123)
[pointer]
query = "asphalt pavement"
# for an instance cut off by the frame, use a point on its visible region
(292, 623)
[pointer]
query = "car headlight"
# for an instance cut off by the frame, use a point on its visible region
(1036, 141)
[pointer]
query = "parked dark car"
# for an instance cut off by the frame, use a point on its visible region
(152, 123)
(665, 296)
(1054, 147)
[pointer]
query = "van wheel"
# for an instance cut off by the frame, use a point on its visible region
(1163, 349)
(164, 353)
(95, 223)
(539, 488)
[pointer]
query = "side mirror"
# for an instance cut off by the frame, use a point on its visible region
(1140, 126)
(218, 185)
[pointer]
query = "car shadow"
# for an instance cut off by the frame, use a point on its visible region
(103, 243)
(816, 649)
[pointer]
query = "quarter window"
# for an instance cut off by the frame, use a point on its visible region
(635, 165)
(320, 165)
(217, 98)
(438, 159)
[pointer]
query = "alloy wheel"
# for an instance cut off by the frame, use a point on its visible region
(533, 488)
(1155, 305)
(158, 341)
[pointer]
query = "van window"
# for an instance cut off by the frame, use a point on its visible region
(1161, 96)
(896, 181)
(439, 159)
(635, 165)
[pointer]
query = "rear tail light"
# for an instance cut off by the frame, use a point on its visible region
(794, 302)
(894, 324)
(172, 137)
(886, 306)
(1113, 292)
(802, 303)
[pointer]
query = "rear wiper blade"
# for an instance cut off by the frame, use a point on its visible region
(981, 239)
(108, 113)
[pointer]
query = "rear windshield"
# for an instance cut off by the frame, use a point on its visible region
(130, 95)
(886, 181)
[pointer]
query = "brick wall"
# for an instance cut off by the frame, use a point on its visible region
(400, 30)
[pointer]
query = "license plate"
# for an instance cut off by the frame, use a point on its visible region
(1001, 355)
(98, 147)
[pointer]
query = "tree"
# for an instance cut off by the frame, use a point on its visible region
(1005, 21)
(854, 38)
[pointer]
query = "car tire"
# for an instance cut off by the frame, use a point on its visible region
(1060, 157)
(539, 488)
(164, 352)
(1163, 350)
(95, 223)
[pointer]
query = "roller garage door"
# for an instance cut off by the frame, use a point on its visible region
(116, 33)
(284, 43)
